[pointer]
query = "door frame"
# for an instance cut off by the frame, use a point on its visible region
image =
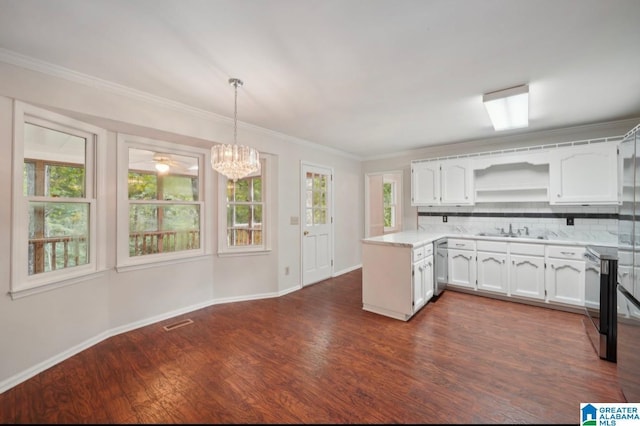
(399, 197)
(301, 206)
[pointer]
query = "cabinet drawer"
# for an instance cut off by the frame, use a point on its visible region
(428, 250)
(496, 246)
(418, 254)
(459, 244)
(566, 252)
(526, 249)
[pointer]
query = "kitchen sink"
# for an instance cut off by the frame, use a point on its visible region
(489, 234)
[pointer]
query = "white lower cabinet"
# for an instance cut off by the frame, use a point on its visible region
(422, 282)
(491, 263)
(527, 276)
(526, 273)
(565, 275)
(397, 280)
(462, 263)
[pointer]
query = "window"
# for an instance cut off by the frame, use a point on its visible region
(245, 213)
(389, 195)
(162, 201)
(57, 203)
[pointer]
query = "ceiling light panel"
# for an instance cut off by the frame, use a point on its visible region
(509, 108)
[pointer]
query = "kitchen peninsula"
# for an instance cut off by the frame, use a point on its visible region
(398, 270)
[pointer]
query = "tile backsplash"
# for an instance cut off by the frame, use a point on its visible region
(597, 224)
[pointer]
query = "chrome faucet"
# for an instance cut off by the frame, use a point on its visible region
(510, 229)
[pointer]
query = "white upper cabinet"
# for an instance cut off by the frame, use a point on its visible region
(584, 174)
(447, 182)
(425, 183)
(456, 182)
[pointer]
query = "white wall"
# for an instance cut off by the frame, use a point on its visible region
(40, 330)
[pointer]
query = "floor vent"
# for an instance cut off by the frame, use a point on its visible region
(177, 324)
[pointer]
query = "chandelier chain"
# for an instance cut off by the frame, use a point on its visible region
(235, 113)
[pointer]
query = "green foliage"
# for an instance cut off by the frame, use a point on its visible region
(387, 195)
(65, 181)
(143, 186)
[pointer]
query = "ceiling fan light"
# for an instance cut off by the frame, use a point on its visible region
(509, 108)
(162, 167)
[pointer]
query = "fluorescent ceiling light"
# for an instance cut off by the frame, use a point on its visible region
(508, 108)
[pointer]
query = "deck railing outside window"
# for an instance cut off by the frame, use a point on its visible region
(150, 242)
(53, 253)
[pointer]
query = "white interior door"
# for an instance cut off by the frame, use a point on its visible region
(317, 223)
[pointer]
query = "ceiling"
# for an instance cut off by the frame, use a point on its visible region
(368, 77)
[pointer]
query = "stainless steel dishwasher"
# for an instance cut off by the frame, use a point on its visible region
(442, 265)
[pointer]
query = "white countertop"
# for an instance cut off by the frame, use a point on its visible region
(417, 238)
(405, 238)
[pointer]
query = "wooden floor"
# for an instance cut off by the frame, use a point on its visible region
(314, 356)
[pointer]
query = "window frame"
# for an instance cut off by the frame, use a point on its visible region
(395, 179)
(223, 248)
(392, 205)
(23, 284)
(123, 259)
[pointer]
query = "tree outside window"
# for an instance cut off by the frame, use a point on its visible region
(245, 204)
(58, 207)
(164, 207)
(389, 205)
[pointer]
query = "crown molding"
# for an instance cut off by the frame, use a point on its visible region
(47, 68)
(519, 137)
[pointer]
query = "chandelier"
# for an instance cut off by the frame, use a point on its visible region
(235, 161)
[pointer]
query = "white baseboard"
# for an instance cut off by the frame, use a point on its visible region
(56, 359)
(347, 270)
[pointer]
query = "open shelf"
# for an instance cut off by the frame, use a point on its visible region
(506, 194)
(513, 182)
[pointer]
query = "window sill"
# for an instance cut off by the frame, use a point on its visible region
(159, 262)
(244, 252)
(18, 294)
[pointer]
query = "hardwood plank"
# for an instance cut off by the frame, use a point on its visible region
(314, 356)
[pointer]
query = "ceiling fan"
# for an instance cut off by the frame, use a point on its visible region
(164, 162)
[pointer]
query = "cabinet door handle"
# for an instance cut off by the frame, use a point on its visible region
(502, 260)
(559, 196)
(459, 244)
(568, 253)
(553, 266)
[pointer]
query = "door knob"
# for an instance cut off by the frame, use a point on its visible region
(306, 233)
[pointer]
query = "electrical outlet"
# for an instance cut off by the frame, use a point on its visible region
(569, 221)
(444, 218)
